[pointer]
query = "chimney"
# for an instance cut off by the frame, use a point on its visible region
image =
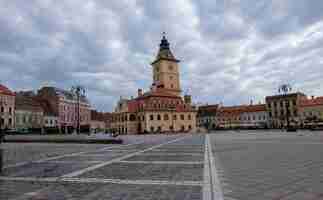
(139, 92)
(312, 96)
(251, 102)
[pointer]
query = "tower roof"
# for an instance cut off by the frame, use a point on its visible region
(164, 52)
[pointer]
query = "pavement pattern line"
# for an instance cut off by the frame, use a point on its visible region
(211, 185)
(276, 142)
(161, 162)
(173, 154)
(207, 190)
(72, 162)
(217, 190)
(92, 155)
(98, 180)
(91, 168)
(61, 156)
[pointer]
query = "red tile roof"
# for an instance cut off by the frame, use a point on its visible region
(4, 90)
(235, 110)
(159, 92)
(312, 102)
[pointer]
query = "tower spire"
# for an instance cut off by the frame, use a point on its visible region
(164, 50)
(164, 44)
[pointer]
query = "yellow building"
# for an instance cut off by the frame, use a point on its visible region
(161, 109)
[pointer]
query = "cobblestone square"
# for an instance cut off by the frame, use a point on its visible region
(241, 165)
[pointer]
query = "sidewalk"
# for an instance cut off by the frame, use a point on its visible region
(73, 138)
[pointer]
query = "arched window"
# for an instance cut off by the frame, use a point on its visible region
(151, 117)
(158, 117)
(166, 117)
(175, 117)
(182, 117)
(189, 117)
(132, 117)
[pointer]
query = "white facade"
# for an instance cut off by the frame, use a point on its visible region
(254, 119)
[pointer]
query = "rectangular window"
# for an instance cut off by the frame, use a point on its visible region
(174, 117)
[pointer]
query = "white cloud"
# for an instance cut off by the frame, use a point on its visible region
(231, 51)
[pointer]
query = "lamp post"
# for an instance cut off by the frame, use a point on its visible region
(79, 91)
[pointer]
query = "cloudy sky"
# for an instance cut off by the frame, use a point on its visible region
(232, 51)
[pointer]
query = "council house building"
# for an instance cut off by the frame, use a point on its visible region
(161, 109)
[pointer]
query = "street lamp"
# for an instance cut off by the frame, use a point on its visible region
(78, 91)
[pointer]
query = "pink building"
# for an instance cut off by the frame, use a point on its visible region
(64, 104)
(7, 108)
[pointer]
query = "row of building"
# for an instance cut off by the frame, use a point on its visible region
(50, 109)
(162, 108)
(291, 109)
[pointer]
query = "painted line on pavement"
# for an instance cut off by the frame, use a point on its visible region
(94, 155)
(211, 185)
(82, 171)
(217, 190)
(172, 154)
(58, 157)
(207, 190)
(97, 180)
(162, 162)
(72, 162)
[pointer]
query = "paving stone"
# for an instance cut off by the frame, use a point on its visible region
(166, 158)
(44, 169)
(268, 166)
(135, 171)
(91, 157)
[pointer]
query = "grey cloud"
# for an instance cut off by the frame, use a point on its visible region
(231, 51)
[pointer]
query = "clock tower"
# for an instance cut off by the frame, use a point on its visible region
(166, 69)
